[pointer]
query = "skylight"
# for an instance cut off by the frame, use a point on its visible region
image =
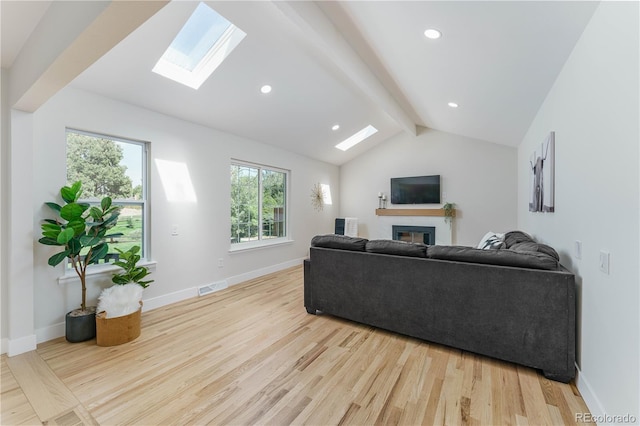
(202, 44)
(357, 138)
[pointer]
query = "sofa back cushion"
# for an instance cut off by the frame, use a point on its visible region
(398, 248)
(535, 247)
(340, 242)
(504, 257)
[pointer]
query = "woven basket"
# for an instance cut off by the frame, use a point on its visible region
(118, 330)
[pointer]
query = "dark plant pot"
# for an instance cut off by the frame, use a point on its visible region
(80, 325)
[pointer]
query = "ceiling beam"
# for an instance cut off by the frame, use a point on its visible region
(318, 30)
(70, 37)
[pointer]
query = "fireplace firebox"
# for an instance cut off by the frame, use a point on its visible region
(414, 234)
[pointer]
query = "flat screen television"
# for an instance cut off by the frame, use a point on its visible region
(415, 190)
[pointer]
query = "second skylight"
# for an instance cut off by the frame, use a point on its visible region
(356, 138)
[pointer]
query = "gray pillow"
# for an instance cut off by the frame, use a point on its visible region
(514, 237)
(536, 248)
(341, 242)
(398, 248)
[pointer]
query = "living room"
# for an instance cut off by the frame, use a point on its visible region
(592, 106)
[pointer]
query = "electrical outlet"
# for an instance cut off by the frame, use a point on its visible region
(220, 263)
(577, 249)
(604, 261)
(174, 230)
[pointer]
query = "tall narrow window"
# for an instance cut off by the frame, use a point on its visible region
(258, 203)
(114, 167)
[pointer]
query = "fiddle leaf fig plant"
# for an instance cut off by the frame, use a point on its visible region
(132, 272)
(80, 230)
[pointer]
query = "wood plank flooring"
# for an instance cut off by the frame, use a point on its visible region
(251, 355)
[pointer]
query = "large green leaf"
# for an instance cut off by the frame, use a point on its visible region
(57, 258)
(74, 246)
(98, 252)
(49, 241)
(76, 188)
(119, 279)
(88, 240)
(50, 227)
(65, 235)
(54, 206)
(68, 195)
(72, 211)
(51, 234)
(105, 203)
(78, 225)
(95, 213)
(111, 220)
(51, 221)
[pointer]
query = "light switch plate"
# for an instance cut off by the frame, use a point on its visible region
(577, 249)
(604, 261)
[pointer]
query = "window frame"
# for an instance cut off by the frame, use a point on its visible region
(262, 242)
(143, 202)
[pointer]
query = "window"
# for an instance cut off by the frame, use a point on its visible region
(206, 40)
(258, 203)
(114, 167)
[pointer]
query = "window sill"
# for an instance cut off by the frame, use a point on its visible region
(256, 245)
(102, 271)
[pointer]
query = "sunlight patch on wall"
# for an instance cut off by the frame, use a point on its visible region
(176, 181)
(326, 194)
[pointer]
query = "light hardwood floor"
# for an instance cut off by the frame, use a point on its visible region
(251, 355)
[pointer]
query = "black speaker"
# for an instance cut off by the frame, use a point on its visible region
(339, 226)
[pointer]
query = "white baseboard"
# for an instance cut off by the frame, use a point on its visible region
(167, 299)
(58, 330)
(21, 345)
(237, 279)
(50, 332)
(588, 395)
(4, 344)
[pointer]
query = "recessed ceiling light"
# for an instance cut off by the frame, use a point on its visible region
(265, 89)
(432, 33)
(335, 127)
(453, 104)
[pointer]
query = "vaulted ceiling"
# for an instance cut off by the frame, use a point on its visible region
(351, 63)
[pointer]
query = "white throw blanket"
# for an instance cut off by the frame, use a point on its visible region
(120, 300)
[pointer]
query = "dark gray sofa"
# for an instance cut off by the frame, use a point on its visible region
(516, 304)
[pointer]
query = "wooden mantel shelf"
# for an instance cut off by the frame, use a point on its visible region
(411, 212)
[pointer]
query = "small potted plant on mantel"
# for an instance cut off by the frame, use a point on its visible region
(119, 310)
(449, 213)
(81, 231)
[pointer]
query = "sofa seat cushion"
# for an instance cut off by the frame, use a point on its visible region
(340, 242)
(504, 257)
(399, 248)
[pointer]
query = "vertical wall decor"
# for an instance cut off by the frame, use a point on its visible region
(542, 176)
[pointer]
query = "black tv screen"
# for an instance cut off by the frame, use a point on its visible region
(415, 190)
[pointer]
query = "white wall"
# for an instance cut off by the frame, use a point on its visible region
(186, 261)
(476, 175)
(4, 142)
(593, 108)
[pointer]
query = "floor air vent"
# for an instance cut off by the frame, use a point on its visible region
(208, 289)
